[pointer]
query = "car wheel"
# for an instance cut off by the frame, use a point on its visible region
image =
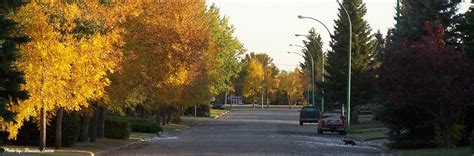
(342, 132)
(301, 123)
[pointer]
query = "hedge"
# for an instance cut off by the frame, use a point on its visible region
(141, 124)
(146, 127)
(28, 134)
(203, 110)
(117, 129)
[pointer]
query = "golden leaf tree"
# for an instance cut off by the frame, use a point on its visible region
(164, 42)
(63, 67)
(253, 82)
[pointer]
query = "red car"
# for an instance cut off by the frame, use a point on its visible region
(332, 121)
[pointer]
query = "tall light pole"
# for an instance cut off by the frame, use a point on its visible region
(348, 99)
(312, 71)
(322, 78)
(322, 69)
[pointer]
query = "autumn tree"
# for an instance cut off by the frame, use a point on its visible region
(431, 76)
(291, 83)
(253, 81)
(63, 69)
(270, 81)
(163, 44)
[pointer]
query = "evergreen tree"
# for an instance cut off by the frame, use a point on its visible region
(363, 59)
(467, 31)
(414, 13)
(313, 45)
(10, 79)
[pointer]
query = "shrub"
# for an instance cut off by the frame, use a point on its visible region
(117, 129)
(71, 129)
(441, 136)
(203, 110)
(141, 124)
(146, 127)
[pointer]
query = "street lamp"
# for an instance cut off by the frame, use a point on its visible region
(307, 17)
(348, 99)
(322, 69)
(312, 71)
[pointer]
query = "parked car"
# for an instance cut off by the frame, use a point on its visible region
(332, 121)
(309, 114)
(218, 106)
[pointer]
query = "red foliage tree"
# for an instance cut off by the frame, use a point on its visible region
(429, 75)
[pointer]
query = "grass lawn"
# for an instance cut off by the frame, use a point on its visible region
(457, 151)
(216, 112)
(184, 123)
(366, 122)
(368, 129)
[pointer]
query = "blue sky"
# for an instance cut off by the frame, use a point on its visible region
(268, 26)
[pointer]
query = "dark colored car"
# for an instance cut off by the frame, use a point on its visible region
(218, 106)
(332, 121)
(309, 114)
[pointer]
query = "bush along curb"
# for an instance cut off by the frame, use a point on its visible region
(216, 117)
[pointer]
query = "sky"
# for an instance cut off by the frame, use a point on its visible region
(269, 26)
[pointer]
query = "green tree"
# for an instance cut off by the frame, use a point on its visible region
(363, 58)
(467, 30)
(10, 79)
(414, 13)
(226, 66)
(313, 48)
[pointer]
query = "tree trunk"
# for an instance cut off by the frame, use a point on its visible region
(289, 100)
(42, 141)
(163, 115)
(93, 125)
(85, 129)
(158, 116)
(142, 112)
(169, 115)
(101, 122)
(59, 125)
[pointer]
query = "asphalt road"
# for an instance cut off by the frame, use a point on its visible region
(251, 132)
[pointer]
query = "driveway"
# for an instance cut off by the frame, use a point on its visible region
(251, 132)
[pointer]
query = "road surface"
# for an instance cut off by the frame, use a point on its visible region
(251, 132)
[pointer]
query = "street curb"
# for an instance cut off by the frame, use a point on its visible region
(216, 117)
(140, 141)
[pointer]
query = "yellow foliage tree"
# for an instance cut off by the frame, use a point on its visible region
(253, 82)
(164, 42)
(291, 83)
(63, 67)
